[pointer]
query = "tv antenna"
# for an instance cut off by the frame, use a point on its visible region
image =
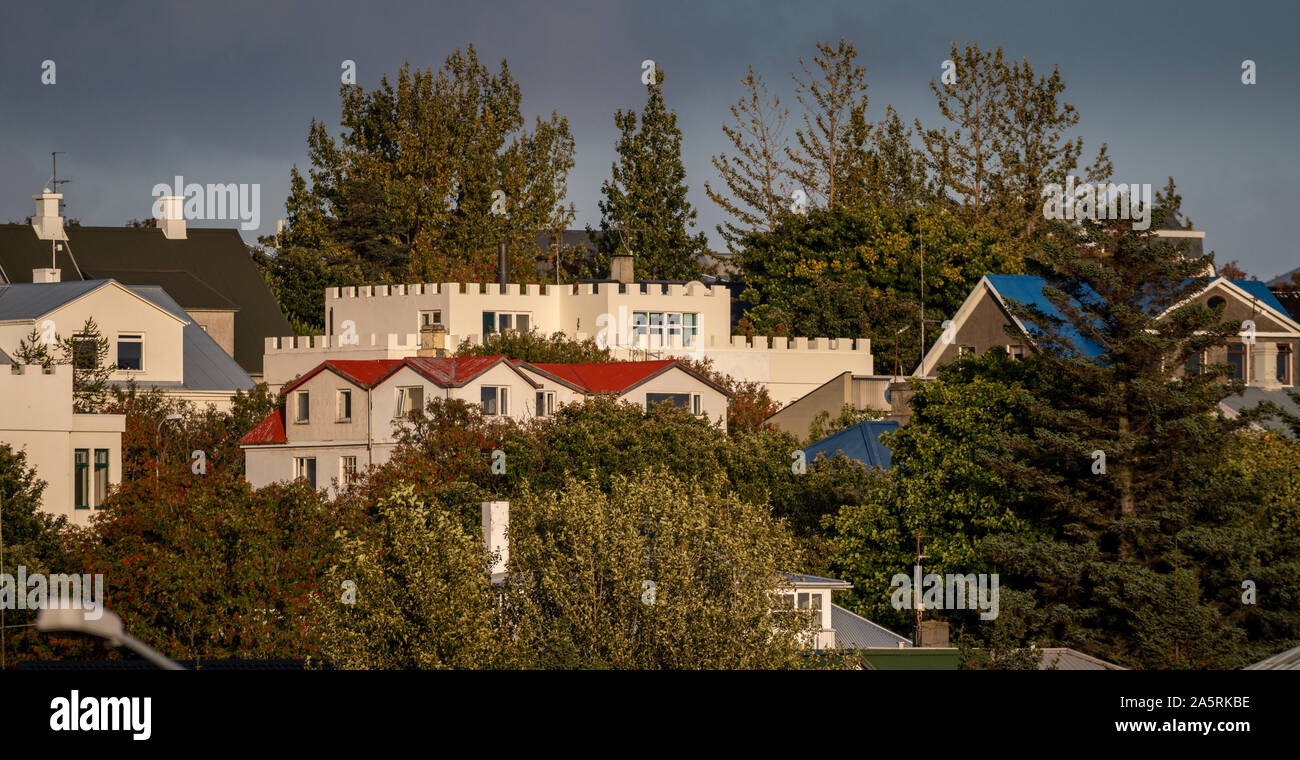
(54, 178)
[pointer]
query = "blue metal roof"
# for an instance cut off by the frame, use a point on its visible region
(1028, 291)
(860, 442)
(1260, 290)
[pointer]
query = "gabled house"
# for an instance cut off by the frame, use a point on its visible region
(152, 340)
(1268, 363)
(341, 417)
(642, 383)
(207, 272)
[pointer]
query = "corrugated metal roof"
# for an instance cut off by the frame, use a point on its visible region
(269, 430)
(860, 442)
(446, 371)
(1260, 290)
(1064, 658)
(1288, 660)
(205, 364)
(28, 300)
(853, 630)
(604, 377)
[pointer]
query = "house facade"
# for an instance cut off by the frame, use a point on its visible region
(151, 339)
(79, 456)
(341, 417)
(1264, 358)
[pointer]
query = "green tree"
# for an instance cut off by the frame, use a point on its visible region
(29, 538)
(652, 572)
(533, 346)
(429, 174)
(644, 209)
(412, 591)
(87, 352)
(858, 273)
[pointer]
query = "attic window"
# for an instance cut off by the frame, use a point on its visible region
(130, 352)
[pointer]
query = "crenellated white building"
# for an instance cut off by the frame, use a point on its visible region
(637, 320)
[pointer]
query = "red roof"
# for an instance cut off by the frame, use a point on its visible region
(269, 430)
(447, 371)
(362, 372)
(606, 377)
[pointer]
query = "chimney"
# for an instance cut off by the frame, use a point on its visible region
(47, 222)
(169, 211)
(933, 634)
(433, 340)
(496, 522)
(620, 268)
(503, 265)
(46, 275)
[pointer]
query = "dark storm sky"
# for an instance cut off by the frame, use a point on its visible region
(224, 91)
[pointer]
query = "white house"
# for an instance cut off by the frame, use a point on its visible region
(151, 340)
(340, 417)
(77, 455)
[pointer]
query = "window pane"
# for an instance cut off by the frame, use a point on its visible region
(541, 404)
(695, 403)
(130, 352)
(504, 400)
(504, 322)
(311, 471)
(1237, 358)
(680, 400)
(489, 322)
(488, 397)
(84, 353)
(521, 322)
(345, 405)
(639, 322)
(81, 478)
(101, 476)
(416, 400)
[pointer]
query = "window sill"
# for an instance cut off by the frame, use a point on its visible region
(81, 506)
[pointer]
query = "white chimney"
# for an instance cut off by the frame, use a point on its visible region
(169, 210)
(46, 275)
(47, 222)
(496, 521)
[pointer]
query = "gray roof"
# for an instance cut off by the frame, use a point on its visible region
(1064, 658)
(815, 580)
(205, 366)
(1288, 660)
(852, 630)
(29, 301)
(1252, 396)
(4, 358)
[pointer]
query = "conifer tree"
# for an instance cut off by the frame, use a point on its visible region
(645, 209)
(835, 129)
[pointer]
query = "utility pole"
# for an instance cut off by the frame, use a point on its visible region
(917, 604)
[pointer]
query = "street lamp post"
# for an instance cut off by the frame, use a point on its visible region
(108, 627)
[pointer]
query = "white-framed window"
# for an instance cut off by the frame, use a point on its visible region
(673, 328)
(965, 350)
(680, 400)
(495, 400)
(409, 399)
(347, 469)
(696, 405)
(343, 405)
(1237, 358)
(90, 478)
(500, 321)
(545, 403)
(1016, 351)
(302, 407)
(1285, 355)
(429, 317)
(305, 467)
(130, 352)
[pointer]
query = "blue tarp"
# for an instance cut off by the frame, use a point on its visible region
(860, 442)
